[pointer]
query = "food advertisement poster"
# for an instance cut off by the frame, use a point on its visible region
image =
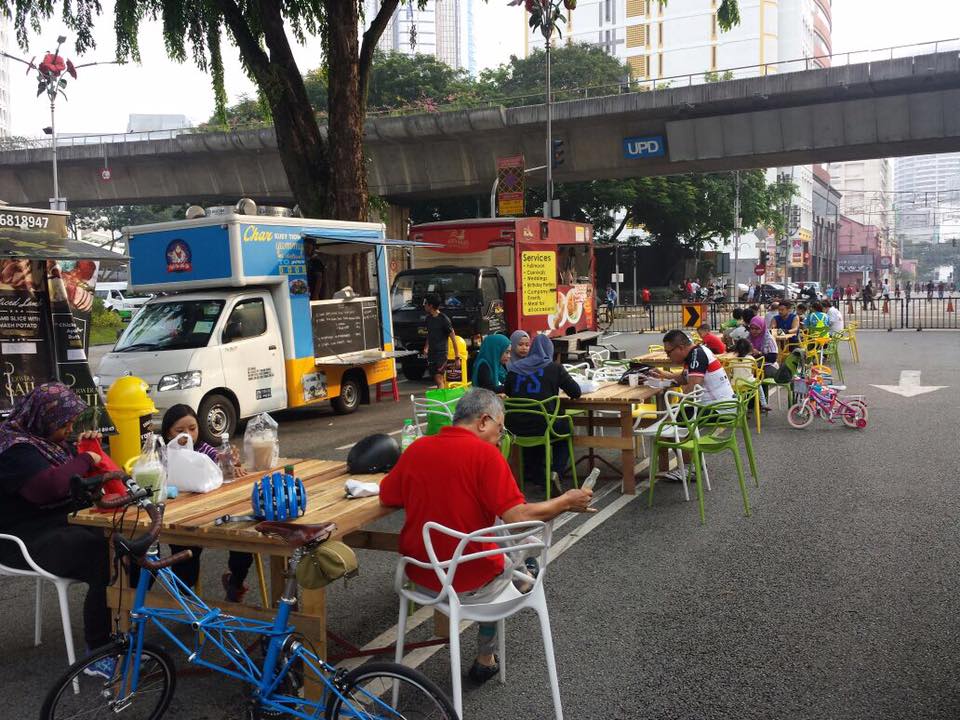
(538, 275)
(45, 308)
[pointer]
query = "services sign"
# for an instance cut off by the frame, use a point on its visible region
(538, 276)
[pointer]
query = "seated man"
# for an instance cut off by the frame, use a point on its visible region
(459, 479)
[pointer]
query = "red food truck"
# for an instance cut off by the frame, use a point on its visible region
(497, 275)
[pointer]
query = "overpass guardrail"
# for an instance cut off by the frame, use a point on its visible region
(559, 94)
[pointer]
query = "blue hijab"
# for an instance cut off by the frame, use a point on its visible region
(490, 351)
(541, 355)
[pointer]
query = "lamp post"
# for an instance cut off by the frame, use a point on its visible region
(51, 81)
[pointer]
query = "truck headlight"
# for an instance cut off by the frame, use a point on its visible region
(179, 381)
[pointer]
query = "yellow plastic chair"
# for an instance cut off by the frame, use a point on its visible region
(746, 375)
(849, 336)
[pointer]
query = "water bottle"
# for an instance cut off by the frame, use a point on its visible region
(408, 435)
(225, 459)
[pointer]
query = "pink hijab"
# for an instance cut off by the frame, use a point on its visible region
(757, 340)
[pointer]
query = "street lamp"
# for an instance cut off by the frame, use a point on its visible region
(51, 80)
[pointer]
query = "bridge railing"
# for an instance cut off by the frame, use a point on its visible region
(558, 94)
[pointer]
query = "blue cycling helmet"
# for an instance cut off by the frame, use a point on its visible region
(279, 496)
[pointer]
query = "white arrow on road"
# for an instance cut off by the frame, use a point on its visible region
(910, 385)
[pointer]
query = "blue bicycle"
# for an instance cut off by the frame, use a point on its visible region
(137, 679)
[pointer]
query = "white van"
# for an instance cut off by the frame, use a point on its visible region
(115, 298)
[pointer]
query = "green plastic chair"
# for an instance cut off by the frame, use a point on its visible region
(541, 409)
(745, 399)
(711, 428)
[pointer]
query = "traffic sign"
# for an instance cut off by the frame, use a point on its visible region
(759, 270)
(693, 314)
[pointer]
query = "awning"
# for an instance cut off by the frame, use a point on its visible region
(57, 249)
(348, 244)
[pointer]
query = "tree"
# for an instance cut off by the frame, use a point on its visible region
(114, 217)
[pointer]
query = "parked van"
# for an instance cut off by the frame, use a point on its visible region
(115, 298)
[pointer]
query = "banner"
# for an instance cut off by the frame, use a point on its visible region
(510, 185)
(538, 282)
(796, 252)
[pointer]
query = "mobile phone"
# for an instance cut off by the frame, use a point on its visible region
(591, 480)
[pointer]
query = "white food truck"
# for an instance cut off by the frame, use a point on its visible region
(234, 332)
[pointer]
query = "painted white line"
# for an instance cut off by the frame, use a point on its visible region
(417, 657)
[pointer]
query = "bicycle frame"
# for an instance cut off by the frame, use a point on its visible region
(212, 626)
(827, 404)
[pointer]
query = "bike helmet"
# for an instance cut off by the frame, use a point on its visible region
(278, 496)
(374, 454)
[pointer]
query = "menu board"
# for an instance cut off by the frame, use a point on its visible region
(345, 326)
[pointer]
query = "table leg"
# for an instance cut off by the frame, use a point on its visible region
(313, 603)
(627, 454)
(590, 452)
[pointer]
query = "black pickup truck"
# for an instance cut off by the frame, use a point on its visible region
(472, 297)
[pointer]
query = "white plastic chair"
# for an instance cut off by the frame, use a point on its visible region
(62, 585)
(514, 542)
(678, 432)
(422, 406)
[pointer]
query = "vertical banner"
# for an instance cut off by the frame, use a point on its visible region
(796, 252)
(26, 351)
(510, 185)
(538, 278)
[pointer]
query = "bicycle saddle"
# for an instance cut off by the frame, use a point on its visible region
(295, 534)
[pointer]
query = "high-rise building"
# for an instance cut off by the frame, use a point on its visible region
(867, 189)
(927, 198)
(4, 77)
(444, 29)
(681, 42)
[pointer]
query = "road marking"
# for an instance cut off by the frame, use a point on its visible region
(417, 657)
(909, 385)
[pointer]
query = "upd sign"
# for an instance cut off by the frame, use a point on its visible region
(644, 147)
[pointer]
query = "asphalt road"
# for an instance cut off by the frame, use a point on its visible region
(838, 598)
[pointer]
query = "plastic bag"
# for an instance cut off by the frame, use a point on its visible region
(113, 486)
(191, 471)
(150, 470)
(261, 445)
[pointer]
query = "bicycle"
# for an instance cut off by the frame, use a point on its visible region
(605, 317)
(824, 401)
(143, 681)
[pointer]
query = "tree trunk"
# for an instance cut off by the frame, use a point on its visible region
(348, 177)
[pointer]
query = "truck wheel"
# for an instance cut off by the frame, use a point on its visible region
(349, 399)
(217, 415)
(413, 371)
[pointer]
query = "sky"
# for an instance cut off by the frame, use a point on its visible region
(101, 99)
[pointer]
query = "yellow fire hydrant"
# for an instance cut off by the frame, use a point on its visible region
(131, 410)
(457, 373)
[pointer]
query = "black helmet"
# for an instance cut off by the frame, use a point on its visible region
(374, 454)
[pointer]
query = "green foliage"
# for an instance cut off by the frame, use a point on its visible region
(712, 76)
(572, 67)
(398, 80)
(115, 217)
(104, 324)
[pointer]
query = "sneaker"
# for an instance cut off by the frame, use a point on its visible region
(233, 593)
(105, 667)
(672, 476)
(481, 673)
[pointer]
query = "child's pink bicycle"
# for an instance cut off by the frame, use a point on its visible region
(825, 401)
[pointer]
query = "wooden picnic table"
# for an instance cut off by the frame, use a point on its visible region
(658, 358)
(613, 398)
(573, 340)
(189, 520)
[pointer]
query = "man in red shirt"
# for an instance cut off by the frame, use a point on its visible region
(459, 479)
(714, 342)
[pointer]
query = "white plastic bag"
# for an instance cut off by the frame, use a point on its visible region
(191, 471)
(261, 445)
(587, 386)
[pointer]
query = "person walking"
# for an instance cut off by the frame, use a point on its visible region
(930, 291)
(941, 286)
(908, 289)
(896, 291)
(439, 330)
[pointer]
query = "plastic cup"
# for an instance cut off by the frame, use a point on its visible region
(262, 454)
(633, 379)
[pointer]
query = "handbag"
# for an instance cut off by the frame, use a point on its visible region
(330, 561)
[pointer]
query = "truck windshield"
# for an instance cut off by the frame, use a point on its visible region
(456, 289)
(171, 326)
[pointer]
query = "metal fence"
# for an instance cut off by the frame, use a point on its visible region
(917, 313)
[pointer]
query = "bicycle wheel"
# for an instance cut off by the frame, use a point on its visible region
(96, 696)
(369, 694)
(855, 414)
(604, 319)
(800, 415)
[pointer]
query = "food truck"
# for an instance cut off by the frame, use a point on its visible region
(496, 275)
(235, 333)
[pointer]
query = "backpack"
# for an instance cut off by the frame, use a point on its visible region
(790, 367)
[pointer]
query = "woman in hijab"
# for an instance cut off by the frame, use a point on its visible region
(36, 464)
(519, 345)
(762, 340)
(489, 371)
(536, 376)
